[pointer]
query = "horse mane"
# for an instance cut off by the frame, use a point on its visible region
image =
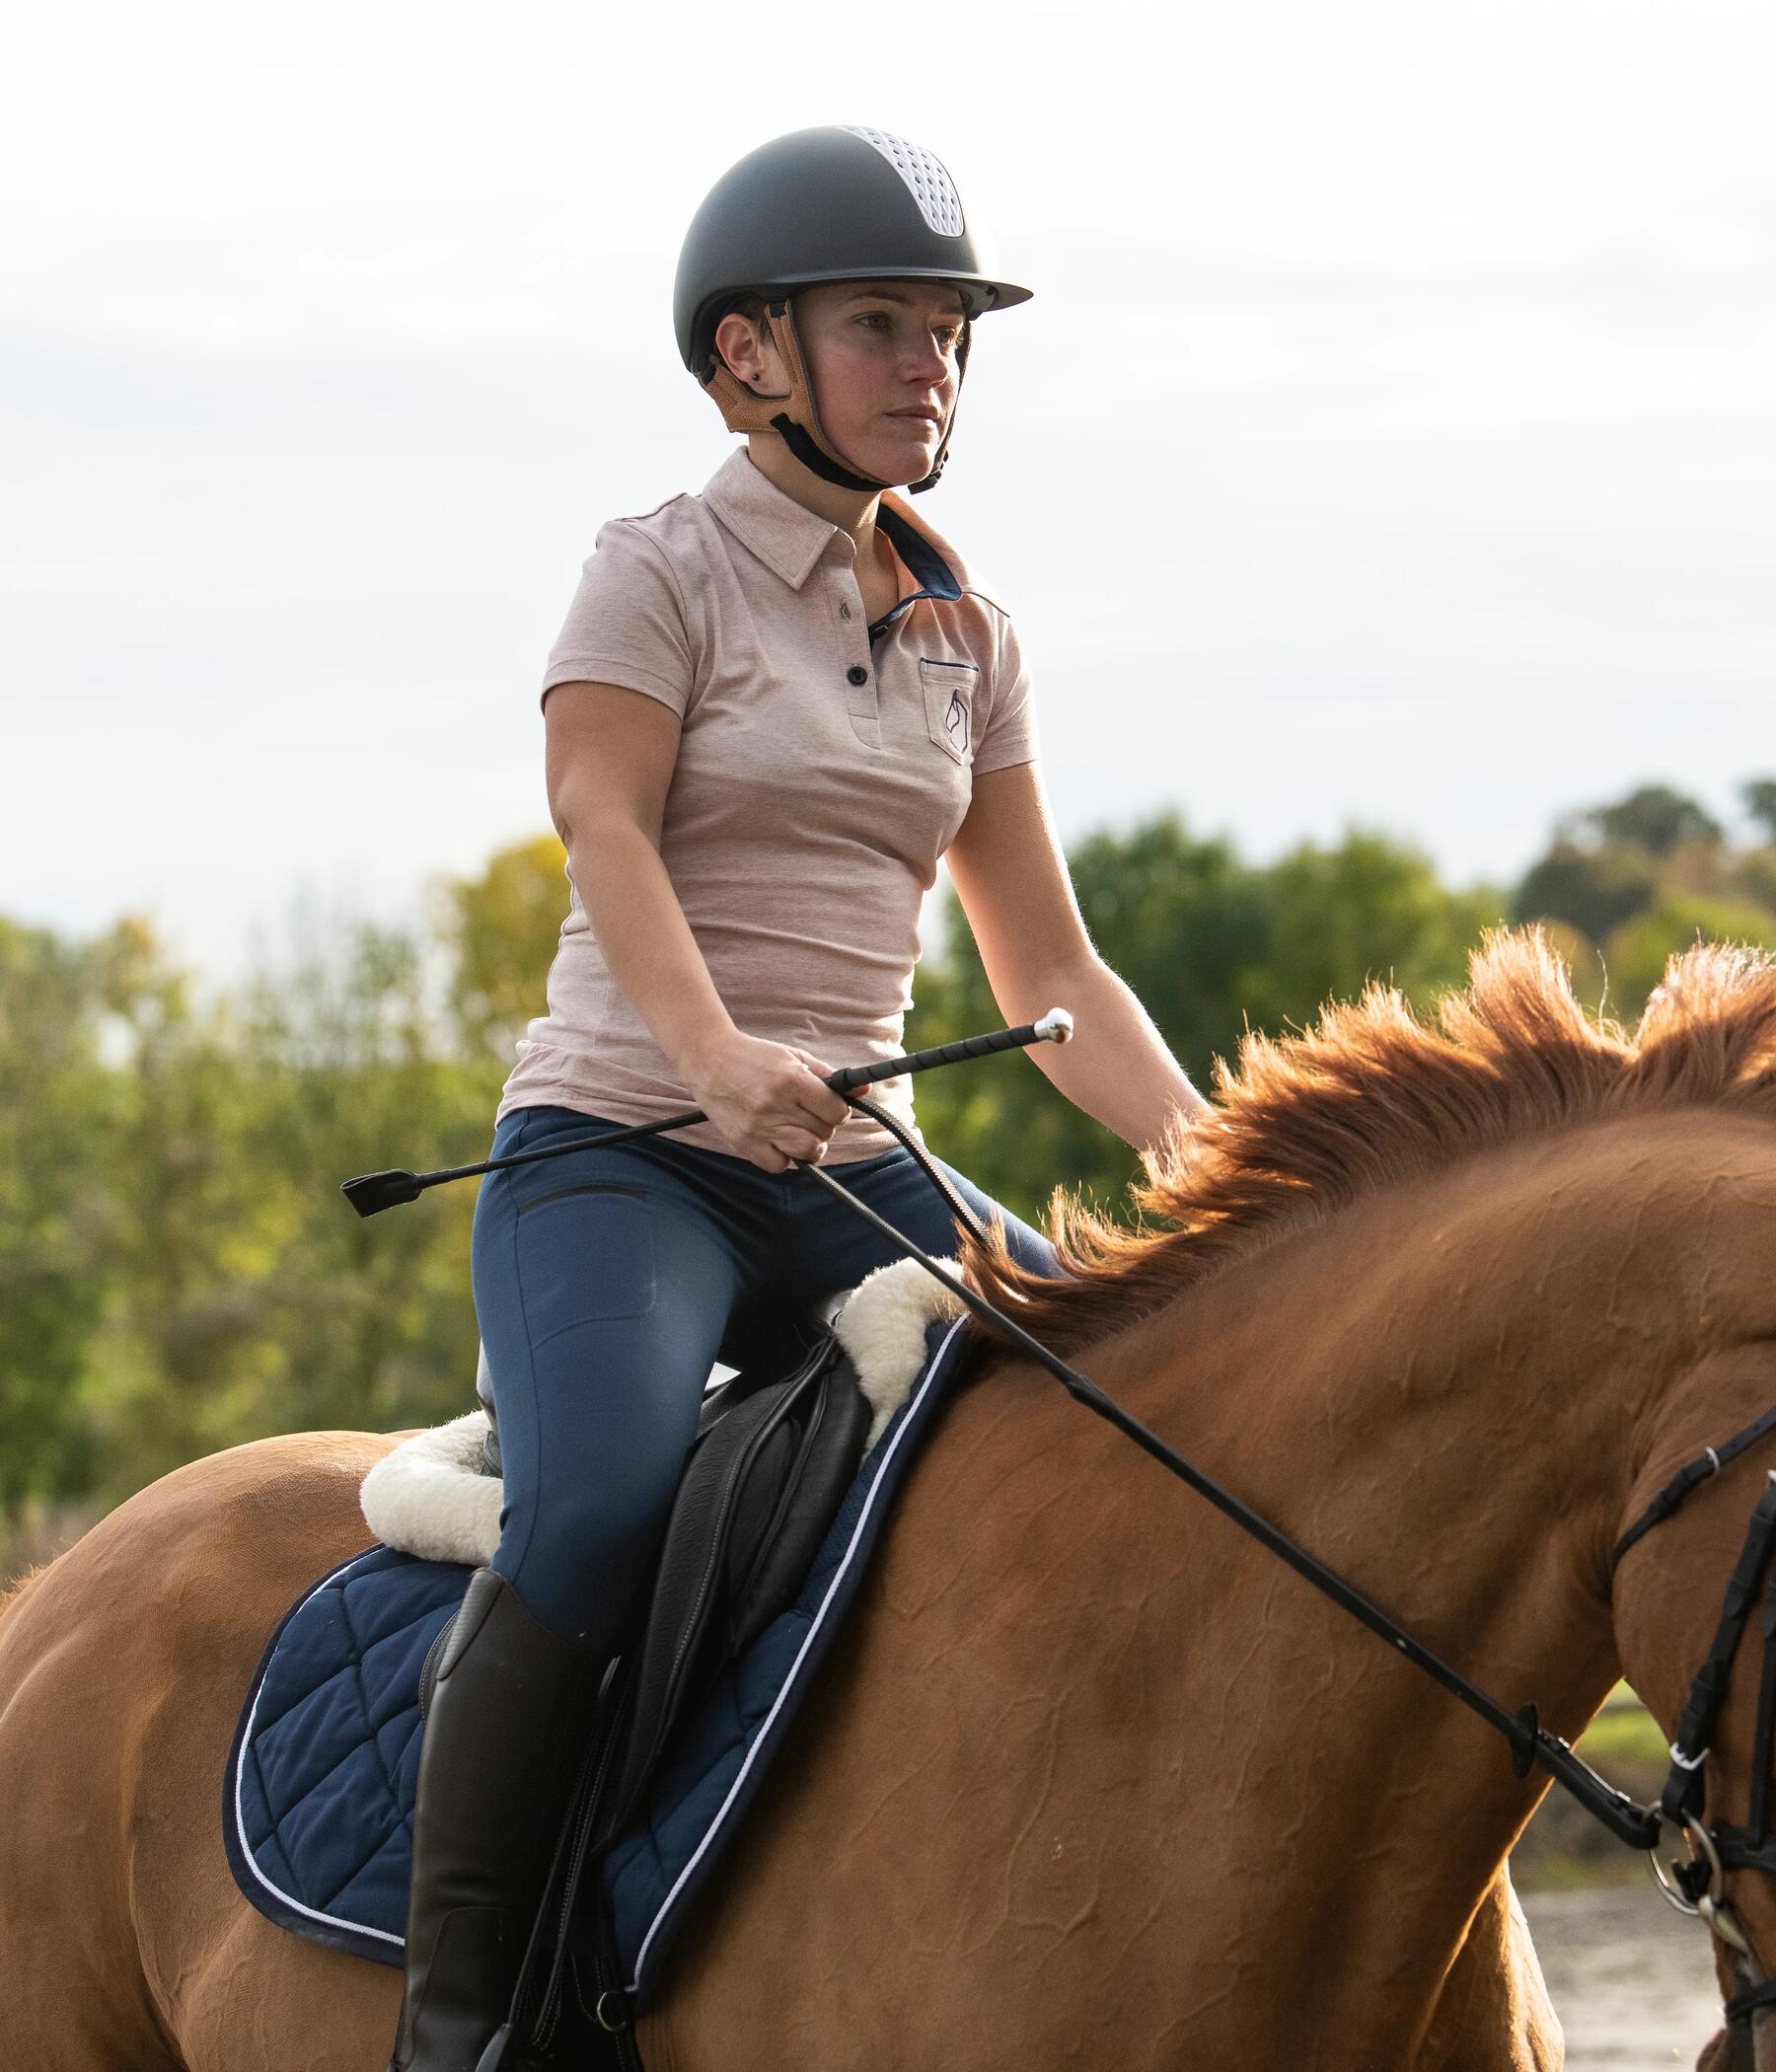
(1374, 1095)
(10, 1593)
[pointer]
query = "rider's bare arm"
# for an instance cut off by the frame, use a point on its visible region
(611, 753)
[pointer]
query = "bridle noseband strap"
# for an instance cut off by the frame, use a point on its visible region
(1691, 1475)
(1744, 2005)
(1697, 1887)
(1684, 1787)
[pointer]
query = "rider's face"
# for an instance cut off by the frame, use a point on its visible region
(882, 358)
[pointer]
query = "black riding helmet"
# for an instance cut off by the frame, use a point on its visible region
(836, 203)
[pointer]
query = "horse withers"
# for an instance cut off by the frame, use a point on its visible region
(1091, 1779)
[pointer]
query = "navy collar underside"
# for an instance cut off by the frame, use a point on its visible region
(926, 566)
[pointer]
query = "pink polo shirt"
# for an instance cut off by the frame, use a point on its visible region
(824, 766)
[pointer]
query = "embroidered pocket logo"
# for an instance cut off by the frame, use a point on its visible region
(951, 689)
(955, 724)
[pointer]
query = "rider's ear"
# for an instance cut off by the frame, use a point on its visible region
(744, 345)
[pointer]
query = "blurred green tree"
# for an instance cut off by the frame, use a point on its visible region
(1593, 890)
(1654, 817)
(56, 1224)
(1210, 946)
(1637, 953)
(1758, 798)
(500, 930)
(1755, 878)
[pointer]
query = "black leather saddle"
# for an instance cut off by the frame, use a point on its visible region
(772, 1460)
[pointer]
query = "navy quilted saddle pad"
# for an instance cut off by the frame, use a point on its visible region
(317, 1809)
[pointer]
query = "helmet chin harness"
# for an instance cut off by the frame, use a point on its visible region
(794, 413)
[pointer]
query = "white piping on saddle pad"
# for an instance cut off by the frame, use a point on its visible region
(429, 1498)
(251, 1862)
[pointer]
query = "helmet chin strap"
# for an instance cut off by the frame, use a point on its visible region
(797, 422)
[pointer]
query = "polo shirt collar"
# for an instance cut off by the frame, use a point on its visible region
(790, 538)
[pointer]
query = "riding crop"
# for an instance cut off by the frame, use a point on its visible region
(371, 1193)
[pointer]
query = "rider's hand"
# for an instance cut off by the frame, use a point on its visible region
(767, 1099)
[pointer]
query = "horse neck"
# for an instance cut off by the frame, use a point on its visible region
(1447, 1393)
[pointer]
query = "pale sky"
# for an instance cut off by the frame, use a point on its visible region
(1389, 440)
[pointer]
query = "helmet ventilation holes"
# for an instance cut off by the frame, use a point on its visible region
(930, 185)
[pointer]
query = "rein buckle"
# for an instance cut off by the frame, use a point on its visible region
(1682, 1889)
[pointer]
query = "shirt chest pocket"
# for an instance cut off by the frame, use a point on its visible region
(950, 691)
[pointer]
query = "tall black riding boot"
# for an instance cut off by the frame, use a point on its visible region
(504, 1738)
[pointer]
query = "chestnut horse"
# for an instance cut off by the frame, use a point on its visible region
(1091, 1780)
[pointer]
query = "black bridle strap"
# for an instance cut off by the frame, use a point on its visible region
(1690, 1476)
(1751, 1847)
(1629, 1822)
(1742, 2006)
(1683, 1793)
(1757, 1811)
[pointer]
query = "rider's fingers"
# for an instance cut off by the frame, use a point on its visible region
(797, 1144)
(824, 1105)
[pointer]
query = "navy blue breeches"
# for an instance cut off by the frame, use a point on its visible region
(609, 1282)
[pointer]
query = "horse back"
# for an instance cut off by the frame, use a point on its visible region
(122, 1668)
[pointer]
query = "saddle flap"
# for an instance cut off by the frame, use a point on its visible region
(759, 1490)
(784, 1508)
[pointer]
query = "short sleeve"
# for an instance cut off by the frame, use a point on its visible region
(626, 623)
(1010, 734)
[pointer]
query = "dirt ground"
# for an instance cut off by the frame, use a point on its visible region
(1632, 1981)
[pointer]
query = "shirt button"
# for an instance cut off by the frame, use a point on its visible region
(844, 611)
(856, 674)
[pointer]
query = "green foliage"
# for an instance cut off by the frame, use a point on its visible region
(1754, 879)
(1366, 910)
(55, 1218)
(500, 932)
(1210, 946)
(179, 1273)
(1593, 890)
(1637, 953)
(1640, 879)
(1758, 798)
(1656, 819)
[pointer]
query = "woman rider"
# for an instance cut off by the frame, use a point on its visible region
(773, 707)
